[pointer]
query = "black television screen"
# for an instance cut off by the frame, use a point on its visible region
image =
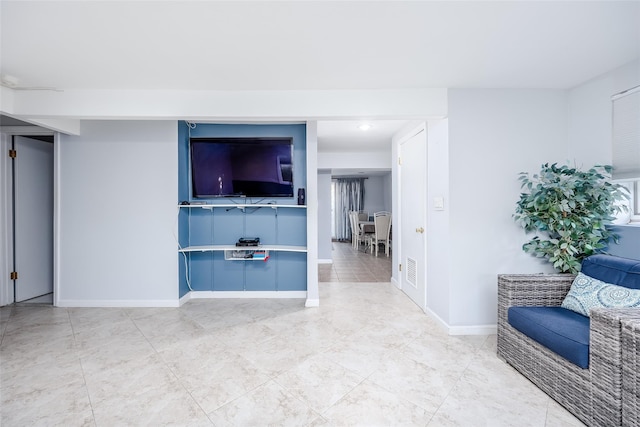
(241, 167)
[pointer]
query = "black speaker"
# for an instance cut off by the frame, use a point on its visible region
(301, 196)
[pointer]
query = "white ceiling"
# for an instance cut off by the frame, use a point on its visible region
(315, 45)
(345, 135)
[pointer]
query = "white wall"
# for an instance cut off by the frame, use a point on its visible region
(6, 286)
(118, 199)
(439, 264)
(324, 216)
(375, 194)
(362, 160)
(240, 105)
(590, 115)
(313, 295)
(494, 135)
(387, 184)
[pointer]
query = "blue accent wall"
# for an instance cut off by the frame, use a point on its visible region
(629, 243)
(209, 271)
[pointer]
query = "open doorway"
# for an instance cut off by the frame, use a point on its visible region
(348, 150)
(358, 263)
(27, 217)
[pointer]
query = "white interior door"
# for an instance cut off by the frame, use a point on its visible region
(33, 219)
(413, 196)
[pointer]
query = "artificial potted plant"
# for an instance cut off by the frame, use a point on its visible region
(569, 210)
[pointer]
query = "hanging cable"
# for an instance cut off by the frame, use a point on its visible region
(186, 265)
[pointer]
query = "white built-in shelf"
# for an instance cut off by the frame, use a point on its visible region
(246, 255)
(214, 248)
(241, 206)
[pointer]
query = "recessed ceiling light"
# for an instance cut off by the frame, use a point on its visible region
(365, 126)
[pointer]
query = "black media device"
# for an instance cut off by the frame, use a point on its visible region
(241, 167)
(301, 196)
(248, 241)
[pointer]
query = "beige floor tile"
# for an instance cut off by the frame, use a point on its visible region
(361, 357)
(121, 350)
(371, 405)
(158, 407)
(254, 332)
(275, 355)
(557, 416)
(319, 382)
(419, 384)
(86, 319)
(21, 354)
(104, 334)
(268, 405)
(48, 375)
(66, 404)
(354, 265)
(367, 356)
(489, 393)
(217, 384)
(129, 379)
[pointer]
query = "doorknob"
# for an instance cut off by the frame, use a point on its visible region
(420, 230)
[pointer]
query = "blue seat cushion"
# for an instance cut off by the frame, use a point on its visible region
(562, 331)
(612, 269)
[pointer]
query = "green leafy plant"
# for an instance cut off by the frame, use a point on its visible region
(568, 209)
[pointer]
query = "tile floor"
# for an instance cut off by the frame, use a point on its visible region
(367, 356)
(351, 265)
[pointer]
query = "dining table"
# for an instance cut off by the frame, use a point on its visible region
(367, 226)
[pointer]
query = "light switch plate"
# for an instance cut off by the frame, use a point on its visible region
(438, 203)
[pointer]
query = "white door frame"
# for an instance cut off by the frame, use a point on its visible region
(6, 206)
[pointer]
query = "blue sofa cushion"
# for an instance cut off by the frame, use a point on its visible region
(563, 331)
(612, 269)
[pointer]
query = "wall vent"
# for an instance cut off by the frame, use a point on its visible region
(412, 272)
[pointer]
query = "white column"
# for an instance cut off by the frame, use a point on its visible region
(313, 297)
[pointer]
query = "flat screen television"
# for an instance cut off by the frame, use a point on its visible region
(241, 167)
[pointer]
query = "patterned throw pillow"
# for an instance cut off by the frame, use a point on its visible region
(587, 293)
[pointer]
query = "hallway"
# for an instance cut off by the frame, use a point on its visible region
(350, 265)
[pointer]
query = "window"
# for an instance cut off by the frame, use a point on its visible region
(626, 145)
(634, 203)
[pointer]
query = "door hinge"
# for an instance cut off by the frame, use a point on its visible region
(13, 154)
(14, 275)
(399, 267)
(399, 161)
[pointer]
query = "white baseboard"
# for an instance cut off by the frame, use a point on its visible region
(395, 283)
(312, 302)
(439, 319)
(473, 330)
(464, 330)
(118, 303)
(186, 298)
(325, 261)
(243, 294)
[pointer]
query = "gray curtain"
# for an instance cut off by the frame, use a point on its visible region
(349, 197)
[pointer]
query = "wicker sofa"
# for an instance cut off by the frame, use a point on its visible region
(631, 372)
(592, 393)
